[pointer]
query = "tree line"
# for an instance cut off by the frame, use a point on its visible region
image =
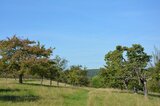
(19, 57)
(127, 68)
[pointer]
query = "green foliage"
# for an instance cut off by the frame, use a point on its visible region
(60, 66)
(77, 75)
(126, 68)
(97, 81)
(20, 55)
(154, 83)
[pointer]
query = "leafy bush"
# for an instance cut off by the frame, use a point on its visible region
(97, 82)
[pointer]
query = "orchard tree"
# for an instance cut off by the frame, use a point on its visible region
(41, 60)
(17, 53)
(77, 75)
(83, 79)
(60, 65)
(40, 68)
(116, 69)
(73, 75)
(65, 77)
(138, 61)
(127, 64)
(51, 71)
(14, 52)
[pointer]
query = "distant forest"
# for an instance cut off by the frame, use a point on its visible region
(92, 72)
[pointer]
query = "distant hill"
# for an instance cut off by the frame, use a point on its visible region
(92, 72)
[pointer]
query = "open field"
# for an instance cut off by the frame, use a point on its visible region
(33, 94)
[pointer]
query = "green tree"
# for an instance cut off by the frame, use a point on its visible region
(14, 52)
(154, 83)
(65, 77)
(19, 54)
(77, 75)
(60, 65)
(97, 81)
(51, 71)
(116, 70)
(125, 65)
(41, 60)
(4, 71)
(138, 61)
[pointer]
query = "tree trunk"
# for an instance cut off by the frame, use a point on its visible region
(145, 89)
(139, 81)
(21, 78)
(42, 80)
(57, 83)
(135, 90)
(6, 77)
(126, 87)
(50, 82)
(14, 77)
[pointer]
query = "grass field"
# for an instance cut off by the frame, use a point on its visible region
(33, 94)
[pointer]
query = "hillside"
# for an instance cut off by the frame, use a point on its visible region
(33, 94)
(92, 72)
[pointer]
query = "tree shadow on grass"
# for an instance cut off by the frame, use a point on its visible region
(157, 95)
(34, 84)
(5, 96)
(9, 90)
(123, 91)
(24, 98)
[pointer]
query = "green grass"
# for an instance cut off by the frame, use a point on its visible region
(108, 97)
(33, 94)
(79, 98)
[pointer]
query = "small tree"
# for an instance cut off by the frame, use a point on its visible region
(78, 76)
(51, 71)
(60, 65)
(41, 60)
(97, 81)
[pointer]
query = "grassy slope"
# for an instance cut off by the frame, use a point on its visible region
(12, 94)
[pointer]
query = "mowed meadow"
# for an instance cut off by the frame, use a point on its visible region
(31, 93)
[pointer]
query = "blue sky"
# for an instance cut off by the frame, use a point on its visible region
(83, 31)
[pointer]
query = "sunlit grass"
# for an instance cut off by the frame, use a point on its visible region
(33, 94)
(109, 97)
